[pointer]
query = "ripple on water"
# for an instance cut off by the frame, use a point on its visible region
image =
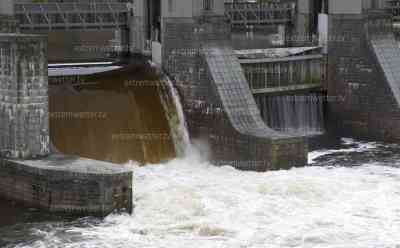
(189, 203)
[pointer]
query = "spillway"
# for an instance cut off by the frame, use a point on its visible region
(300, 114)
(127, 114)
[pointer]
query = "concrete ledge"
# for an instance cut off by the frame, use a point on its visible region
(67, 184)
(286, 88)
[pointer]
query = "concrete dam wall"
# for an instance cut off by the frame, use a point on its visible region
(23, 96)
(78, 45)
(29, 173)
(218, 103)
(385, 48)
(243, 113)
(364, 69)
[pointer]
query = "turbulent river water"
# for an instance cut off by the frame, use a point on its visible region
(349, 196)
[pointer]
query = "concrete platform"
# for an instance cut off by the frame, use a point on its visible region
(67, 184)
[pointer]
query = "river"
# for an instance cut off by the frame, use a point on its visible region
(349, 196)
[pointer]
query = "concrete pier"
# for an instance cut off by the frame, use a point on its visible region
(218, 103)
(67, 184)
(363, 69)
(28, 172)
(23, 97)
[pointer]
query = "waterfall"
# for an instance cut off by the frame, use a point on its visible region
(133, 125)
(300, 114)
(174, 110)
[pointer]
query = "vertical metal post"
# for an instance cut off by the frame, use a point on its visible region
(279, 74)
(265, 76)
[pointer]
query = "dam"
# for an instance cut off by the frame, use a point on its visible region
(202, 123)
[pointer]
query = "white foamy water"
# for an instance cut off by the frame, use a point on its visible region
(355, 146)
(189, 203)
(178, 128)
(176, 118)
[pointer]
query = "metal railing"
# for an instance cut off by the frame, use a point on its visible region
(244, 13)
(393, 6)
(297, 73)
(75, 15)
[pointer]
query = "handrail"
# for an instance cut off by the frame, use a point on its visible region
(258, 6)
(53, 8)
(244, 13)
(72, 15)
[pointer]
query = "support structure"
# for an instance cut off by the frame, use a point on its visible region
(72, 15)
(245, 13)
(219, 106)
(268, 72)
(29, 174)
(7, 22)
(363, 68)
(24, 125)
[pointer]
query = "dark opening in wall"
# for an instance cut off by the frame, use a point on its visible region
(318, 7)
(154, 20)
(208, 4)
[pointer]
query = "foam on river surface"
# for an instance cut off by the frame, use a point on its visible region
(190, 203)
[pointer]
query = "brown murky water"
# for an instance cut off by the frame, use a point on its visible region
(113, 116)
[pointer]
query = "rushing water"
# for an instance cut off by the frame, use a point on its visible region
(302, 114)
(131, 121)
(350, 198)
(176, 117)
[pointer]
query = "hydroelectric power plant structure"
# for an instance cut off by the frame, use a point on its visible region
(251, 106)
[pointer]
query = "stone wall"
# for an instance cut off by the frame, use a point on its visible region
(8, 24)
(137, 35)
(67, 184)
(218, 109)
(24, 126)
(369, 109)
(57, 182)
